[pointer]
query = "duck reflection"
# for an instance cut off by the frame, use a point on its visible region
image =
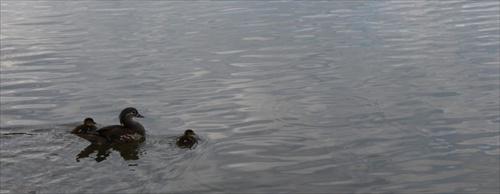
(129, 151)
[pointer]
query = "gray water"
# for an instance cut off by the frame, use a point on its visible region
(293, 97)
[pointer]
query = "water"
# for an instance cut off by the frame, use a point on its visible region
(294, 97)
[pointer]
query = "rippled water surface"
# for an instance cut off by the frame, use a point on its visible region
(294, 97)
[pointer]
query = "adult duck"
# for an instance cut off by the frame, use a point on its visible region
(128, 131)
(187, 140)
(88, 126)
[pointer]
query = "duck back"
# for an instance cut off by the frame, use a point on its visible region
(121, 134)
(83, 129)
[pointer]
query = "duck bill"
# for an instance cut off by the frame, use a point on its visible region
(139, 115)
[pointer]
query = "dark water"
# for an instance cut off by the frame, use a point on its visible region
(293, 97)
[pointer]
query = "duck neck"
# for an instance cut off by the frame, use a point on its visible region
(128, 122)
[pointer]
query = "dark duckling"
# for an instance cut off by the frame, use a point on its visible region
(88, 126)
(128, 131)
(187, 140)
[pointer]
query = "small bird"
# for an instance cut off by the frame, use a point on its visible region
(187, 140)
(88, 126)
(128, 131)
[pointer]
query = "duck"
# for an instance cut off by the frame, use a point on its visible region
(187, 140)
(128, 131)
(88, 126)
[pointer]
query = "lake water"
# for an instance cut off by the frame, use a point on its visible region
(286, 97)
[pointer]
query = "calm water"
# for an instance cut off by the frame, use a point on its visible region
(315, 97)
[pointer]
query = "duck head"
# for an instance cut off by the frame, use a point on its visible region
(189, 133)
(89, 122)
(128, 113)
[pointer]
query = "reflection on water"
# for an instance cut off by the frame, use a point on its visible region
(129, 151)
(296, 97)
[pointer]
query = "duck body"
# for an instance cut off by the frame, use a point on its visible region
(187, 140)
(128, 131)
(87, 127)
(120, 133)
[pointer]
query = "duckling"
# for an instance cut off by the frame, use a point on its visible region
(187, 140)
(88, 126)
(128, 131)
